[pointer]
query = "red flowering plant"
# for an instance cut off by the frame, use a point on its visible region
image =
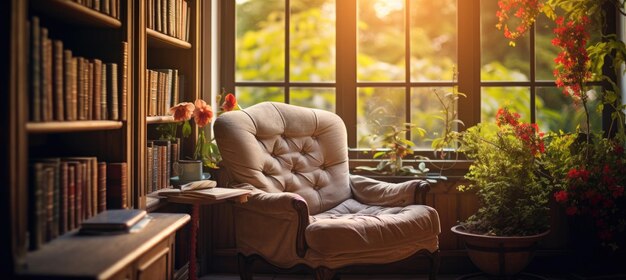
(202, 114)
(507, 175)
(586, 168)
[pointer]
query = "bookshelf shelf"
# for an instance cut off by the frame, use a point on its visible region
(159, 119)
(159, 40)
(73, 11)
(72, 126)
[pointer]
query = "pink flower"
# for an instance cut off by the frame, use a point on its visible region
(183, 111)
(203, 113)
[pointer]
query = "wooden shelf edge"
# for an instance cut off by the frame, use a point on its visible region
(72, 126)
(159, 119)
(76, 12)
(160, 40)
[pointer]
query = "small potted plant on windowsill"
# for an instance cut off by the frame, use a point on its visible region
(513, 190)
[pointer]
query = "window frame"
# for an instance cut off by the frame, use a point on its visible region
(346, 85)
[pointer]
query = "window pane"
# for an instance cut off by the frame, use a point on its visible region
(248, 96)
(556, 111)
(377, 110)
(425, 110)
(381, 36)
(312, 41)
(320, 98)
(517, 99)
(259, 46)
(544, 50)
(499, 61)
(433, 46)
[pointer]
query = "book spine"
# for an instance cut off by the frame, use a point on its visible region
(35, 207)
(112, 87)
(103, 91)
(49, 202)
(156, 159)
(46, 101)
(175, 88)
(63, 219)
(75, 88)
(71, 201)
(124, 83)
(87, 190)
(97, 89)
(35, 71)
(150, 169)
(154, 82)
(80, 80)
(90, 93)
(67, 84)
(94, 185)
(58, 81)
(116, 186)
(78, 215)
(102, 186)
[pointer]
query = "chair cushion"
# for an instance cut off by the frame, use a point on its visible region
(352, 227)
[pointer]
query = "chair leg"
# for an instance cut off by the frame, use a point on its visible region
(324, 273)
(435, 260)
(245, 267)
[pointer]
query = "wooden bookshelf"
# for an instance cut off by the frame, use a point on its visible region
(72, 11)
(72, 126)
(159, 40)
(91, 35)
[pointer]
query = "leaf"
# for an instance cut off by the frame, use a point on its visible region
(379, 154)
(186, 129)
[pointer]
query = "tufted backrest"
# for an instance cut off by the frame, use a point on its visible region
(278, 147)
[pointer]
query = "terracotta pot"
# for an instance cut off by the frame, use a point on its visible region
(499, 255)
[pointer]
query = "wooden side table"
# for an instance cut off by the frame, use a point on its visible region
(225, 194)
(146, 254)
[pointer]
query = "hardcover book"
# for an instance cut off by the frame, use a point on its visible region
(113, 220)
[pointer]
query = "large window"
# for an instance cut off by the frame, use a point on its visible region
(381, 62)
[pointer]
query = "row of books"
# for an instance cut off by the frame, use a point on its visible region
(162, 156)
(65, 87)
(108, 7)
(169, 17)
(66, 191)
(165, 86)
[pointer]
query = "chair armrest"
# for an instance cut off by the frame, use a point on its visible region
(285, 211)
(374, 192)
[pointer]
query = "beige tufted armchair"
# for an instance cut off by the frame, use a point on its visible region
(306, 209)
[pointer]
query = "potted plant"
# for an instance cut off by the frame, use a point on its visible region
(508, 179)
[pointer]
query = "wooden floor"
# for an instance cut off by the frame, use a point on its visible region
(402, 277)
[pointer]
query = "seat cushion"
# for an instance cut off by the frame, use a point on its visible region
(353, 227)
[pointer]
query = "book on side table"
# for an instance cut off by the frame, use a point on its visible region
(115, 221)
(202, 191)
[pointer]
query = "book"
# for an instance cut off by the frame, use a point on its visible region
(153, 92)
(47, 94)
(35, 206)
(80, 88)
(150, 169)
(117, 186)
(200, 192)
(103, 98)
(113, 220)
(53, 187)
(90, 90)
(59, 98)
(35, 70)
(67, 83)
(74, 93)
(97, 89)
(112, 87)
(102, 186)
(63, 215)
(124, 83)
(165, 162)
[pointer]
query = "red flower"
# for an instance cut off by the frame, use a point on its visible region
(203, 113)
(560, 196)
(573, 61)
(525, 11)
(230, 102)
(183, 111)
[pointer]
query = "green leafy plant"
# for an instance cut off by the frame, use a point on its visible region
(394, 147)
(507, 176)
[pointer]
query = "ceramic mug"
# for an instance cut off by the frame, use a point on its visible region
(189, 170)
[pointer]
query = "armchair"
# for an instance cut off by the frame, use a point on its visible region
(305, 208)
